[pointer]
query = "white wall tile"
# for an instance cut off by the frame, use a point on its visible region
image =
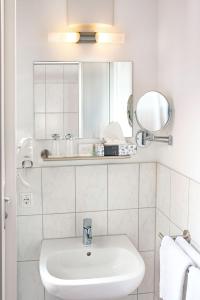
(123, 186)
(99, 222)
(147, 194)
(179, 200)
(29, 283)
(157, 272)
(162, 223)
(147, 285)
(130, 297)
(33, 177)
(29, 229)
(71, 97)
(54, 124)
(146, 297)
(91, 188)
(194, 212)
(40, 125)
(124, 222)
(163, 189)
(50, 297)
(162, 226)
(54, 97)
(71, 124)
(59, 225)
(146, 229)
(174, 230)
(58, 190)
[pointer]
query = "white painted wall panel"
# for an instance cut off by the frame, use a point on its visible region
(90, 11)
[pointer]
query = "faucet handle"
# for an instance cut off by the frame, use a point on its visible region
(87, 223)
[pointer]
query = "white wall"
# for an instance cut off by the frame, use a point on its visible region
(136, 18)
(178, 78)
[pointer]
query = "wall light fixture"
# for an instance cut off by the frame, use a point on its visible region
(86, 37)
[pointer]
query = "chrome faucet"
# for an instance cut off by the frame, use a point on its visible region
(87, 232)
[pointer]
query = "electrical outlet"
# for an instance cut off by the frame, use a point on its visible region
(26, 200)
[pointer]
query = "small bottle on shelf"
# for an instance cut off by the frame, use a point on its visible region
(69, 144)
(55, 145)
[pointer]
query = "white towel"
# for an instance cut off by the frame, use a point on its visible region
(189, 250)
(193, 285)
(173, 266)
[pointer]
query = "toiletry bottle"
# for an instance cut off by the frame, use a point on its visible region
(56, 144)
(69, 144)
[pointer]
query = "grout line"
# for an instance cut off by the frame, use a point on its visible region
(42, 199)
(160, 211)
(188, 203)
(28, 260)
(75, 176)
(87, 211)
(155, 237)
(155, 229)
(45, 102)
(180, 173)
(107, 198)
(94, 164)
(146, 251)
(170, 196)
(138, 240)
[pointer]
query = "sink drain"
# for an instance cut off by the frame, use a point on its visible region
(89, 253)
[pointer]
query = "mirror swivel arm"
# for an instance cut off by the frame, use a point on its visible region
(144, 138)
(160, 139)
(163, 139)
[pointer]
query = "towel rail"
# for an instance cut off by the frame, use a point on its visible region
(186, 235)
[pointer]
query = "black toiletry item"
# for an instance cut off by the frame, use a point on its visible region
(111, 150)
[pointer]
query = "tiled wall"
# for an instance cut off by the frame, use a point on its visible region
(178, 207)
(120, 198)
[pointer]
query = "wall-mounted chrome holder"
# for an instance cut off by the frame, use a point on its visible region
(185, 235)
(27, 163)
(144, 138)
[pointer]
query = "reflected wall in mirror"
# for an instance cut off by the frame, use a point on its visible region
(153, 111)
(81, 98)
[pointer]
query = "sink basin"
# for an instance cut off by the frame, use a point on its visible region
(110, 268)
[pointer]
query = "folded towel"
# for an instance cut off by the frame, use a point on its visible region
(189, 250)
(173, 266)
(193, 285)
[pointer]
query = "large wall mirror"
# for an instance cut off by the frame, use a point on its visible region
(81, 98)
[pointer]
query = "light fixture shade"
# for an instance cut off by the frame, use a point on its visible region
(64, 37)
(109, 38)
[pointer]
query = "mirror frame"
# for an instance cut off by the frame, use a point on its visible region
(169, 113)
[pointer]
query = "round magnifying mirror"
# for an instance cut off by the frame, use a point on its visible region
(153, 111)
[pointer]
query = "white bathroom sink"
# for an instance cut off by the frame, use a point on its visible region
(110, 268)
